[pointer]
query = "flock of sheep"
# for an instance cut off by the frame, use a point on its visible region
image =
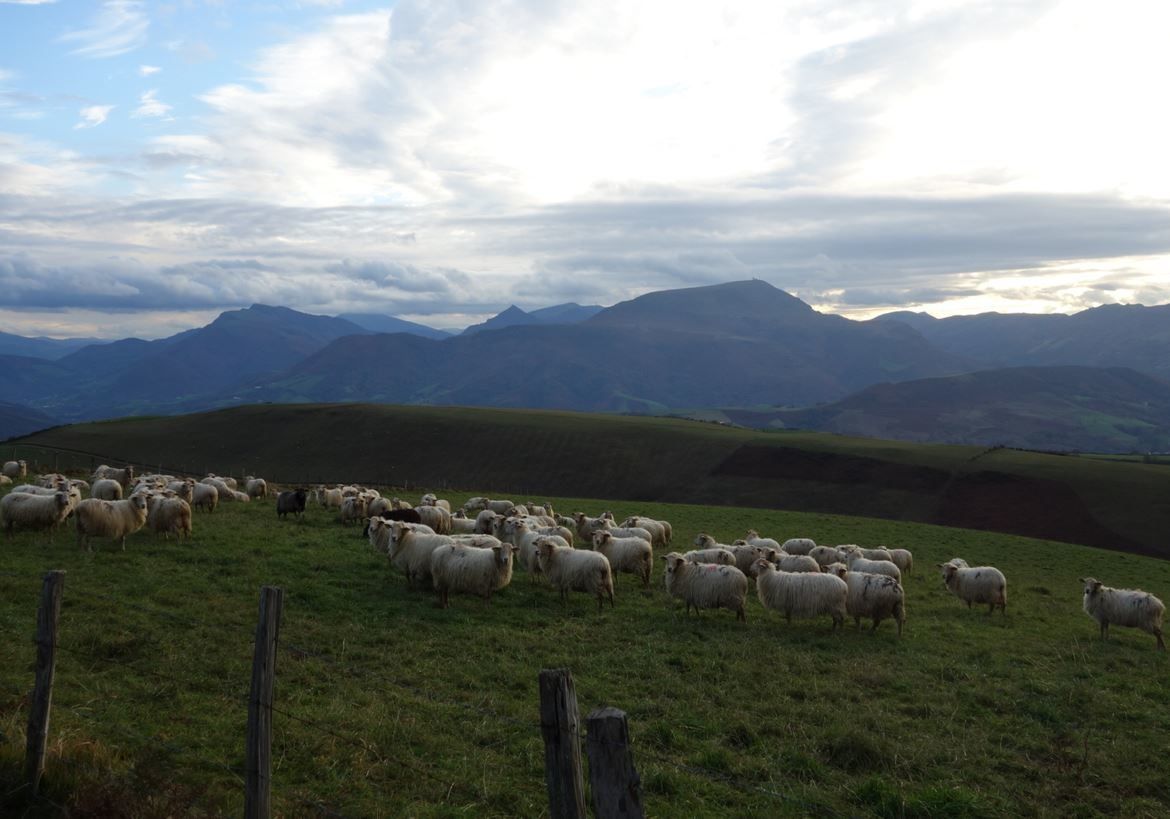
(474, 549)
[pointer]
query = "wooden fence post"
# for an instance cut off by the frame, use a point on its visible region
(42, 698)
(560, 725)
(258, 751)
(613, 780)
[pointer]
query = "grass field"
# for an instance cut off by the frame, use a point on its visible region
(389, 706)
(1115, 505)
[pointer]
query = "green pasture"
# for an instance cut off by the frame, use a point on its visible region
(389, 706)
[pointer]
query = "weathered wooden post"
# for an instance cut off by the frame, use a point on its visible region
(258, 750)
(560, 725)
(613, 780)
(42, 698)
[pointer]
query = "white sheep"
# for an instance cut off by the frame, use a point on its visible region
(409, 549)
(801, 595)
(622, 531)
(435, 517)
(499, 506)
(746, 555)
(630, 555)
(868, 554)
(903, 559)
(752, 538)
(706, 585)
(857, 563)
(658, 529)
(256, 487)
(717, 555)
(169, 514)
(824, 555)
(112, 519)
(430, 499)
(226, 493)
(35, 512)
(977, 584)
(352, 508)
(525, 539)
(184, 489)
(586, 525)
(106, 489)
(798, 545)
(471, 569)
(124, 476)
(794, 563)
(876, 596)
(5, 480)
(15, 469)
(331, 498)
(1123, 607)
(204, 496)
(575, 570)
(461, 525)
(240, 497)
(475, 505)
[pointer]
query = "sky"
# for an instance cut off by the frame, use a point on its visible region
(439, 160)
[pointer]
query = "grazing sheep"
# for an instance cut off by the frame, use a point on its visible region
(795, 563)
(570, 569)
(824, 555)
(112, 519)
(631, 555)
(801, 595)
(377, 506)
(291, 502)
(240, 497)
(706, 586)
(752, 538)
(435, 517)
(256, 487)
(746, 555)
(409, 548)
(15, 469)
(798, 545)
(183, 489)
(903, 559)
(461, 525)
(404, 515)
(226, 493)
(654, 527)
(977, 584)
(5, 480)
(352, 508)
(429, 499)
(475, 505)
(1123, 607)
(485, 522)
(525, 539)
(869, 554)
(586, 525)
(877, 596)
(717, 555)
(168, 514)
(106, 489)
(204, 496)
(35, 512)
(857, 563)
(499, 506)
(124, 476)
(471, 569)
(331, 498)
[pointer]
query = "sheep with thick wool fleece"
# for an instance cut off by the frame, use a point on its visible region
(124, 476)
(1133, 608)
(954, 561)
(240, 497)
(168, 514)
(352, 509)
(106, 489)
(569, 569)
(430, 499)
(112, 519)
(410, 549)
(15, 469)
(798, 545)
(226, 493)
(524, 539)
(824, 555)
(876, 596)
(795, 563)
(485, 522)
(470, 569)
(801, 594)
(977, 584)
(35, 512)
(705, 585)
(183, 489)
(380, 532)
(5, 480)
(857, 563)
(586, 525)
(499, 506)
(204, 496)
(461, 525)
(746, 555)
(869, 554)
(752, 538)
(435, 517)
(717, 555)
(256, 487)
(654, 527)
(903, 559)
(631, 555)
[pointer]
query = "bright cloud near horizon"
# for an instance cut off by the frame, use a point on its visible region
(438, 160)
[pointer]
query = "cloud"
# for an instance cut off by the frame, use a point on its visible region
(93, 115)
(150, 106)
(148, 70)
(118, 28)
(407, 278)
(27, 2)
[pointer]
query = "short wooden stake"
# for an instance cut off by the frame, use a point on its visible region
(258, 751)
(560, 725)
(616, 788)
(42, 698)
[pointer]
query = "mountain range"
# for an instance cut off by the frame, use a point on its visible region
(1091, 381)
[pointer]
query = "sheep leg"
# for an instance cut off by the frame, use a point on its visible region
(1104, 629)
(991, 610)
(740, 615)
(1161, 645)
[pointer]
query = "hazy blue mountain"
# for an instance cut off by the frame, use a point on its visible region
(511, 317)
(1050, 408)
(741, 343)
(41, 347)
(1113, 335)
(17, 420)
(379, 323)
(569, 313)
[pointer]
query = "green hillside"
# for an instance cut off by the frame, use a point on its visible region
(388, 706)
(1115, 505)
